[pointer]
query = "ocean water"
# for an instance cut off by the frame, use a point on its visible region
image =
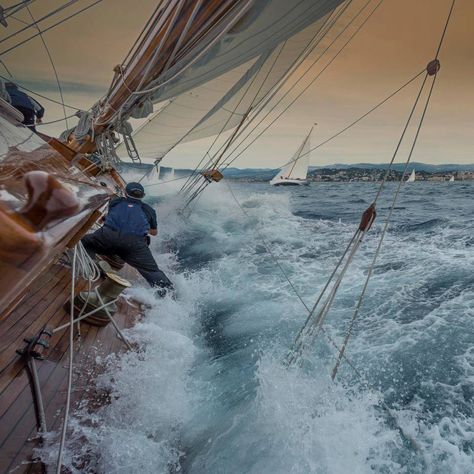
(208, 392)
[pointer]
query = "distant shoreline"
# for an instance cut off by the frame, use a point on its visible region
(363, 175)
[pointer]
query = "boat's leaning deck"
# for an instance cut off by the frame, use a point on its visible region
(44, 306)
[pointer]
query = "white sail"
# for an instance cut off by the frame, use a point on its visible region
(171, 176)
(412, 177)
(219, 105)
(451, 179)
(296, 170)
(266, 24)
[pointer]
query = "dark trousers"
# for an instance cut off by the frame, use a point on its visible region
(28, 117)
(132, 249)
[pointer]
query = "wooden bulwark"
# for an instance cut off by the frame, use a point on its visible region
(43, 305)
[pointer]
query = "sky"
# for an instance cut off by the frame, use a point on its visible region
(395, 44)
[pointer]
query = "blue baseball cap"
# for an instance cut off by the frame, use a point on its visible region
(135, 190)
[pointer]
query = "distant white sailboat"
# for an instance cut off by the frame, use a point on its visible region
(451, 179)
(294, 173)
(412, 177)
(171, 176)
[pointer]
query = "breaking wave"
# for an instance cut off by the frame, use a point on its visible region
(207, 392)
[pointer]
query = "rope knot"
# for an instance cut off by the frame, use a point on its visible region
(433, 67)
(368, 217)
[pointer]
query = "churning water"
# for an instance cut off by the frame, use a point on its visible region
(208, 392)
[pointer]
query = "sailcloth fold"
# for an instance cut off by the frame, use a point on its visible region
(237, 73)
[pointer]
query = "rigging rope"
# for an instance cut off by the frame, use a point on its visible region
(41, 95)
(117, 115)
(431, 70)
(51, 121)
(214, 160)
(49, 28)
(12, 9)
(300, 78)
(322, 32)
(351, 37)
(56, 75)
(35, 22)
(361, 377)
(369, 274)
(357, 120)
(71, 355)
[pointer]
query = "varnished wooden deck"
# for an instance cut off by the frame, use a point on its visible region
(41, 306)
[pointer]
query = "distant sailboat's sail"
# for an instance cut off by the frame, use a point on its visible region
(412, 177)
(297, 167)
(451, 179)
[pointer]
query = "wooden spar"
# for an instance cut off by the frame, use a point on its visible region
(155, 53)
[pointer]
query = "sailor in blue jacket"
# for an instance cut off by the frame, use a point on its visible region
(125, 233)
(32, 110)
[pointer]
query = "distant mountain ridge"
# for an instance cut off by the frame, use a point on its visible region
(268, 173)
(417, 166)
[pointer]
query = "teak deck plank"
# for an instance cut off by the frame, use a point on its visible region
(54, 407)
(44, 305)
(34, 295)
(51, 316)
(38, 315)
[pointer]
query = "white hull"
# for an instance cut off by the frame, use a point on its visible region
(288, 182)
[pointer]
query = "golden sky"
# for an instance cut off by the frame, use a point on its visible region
(397, 42)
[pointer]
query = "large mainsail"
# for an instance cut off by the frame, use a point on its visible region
(189, 44)
(219, 105)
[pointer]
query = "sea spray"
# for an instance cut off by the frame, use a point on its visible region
(208, 392)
